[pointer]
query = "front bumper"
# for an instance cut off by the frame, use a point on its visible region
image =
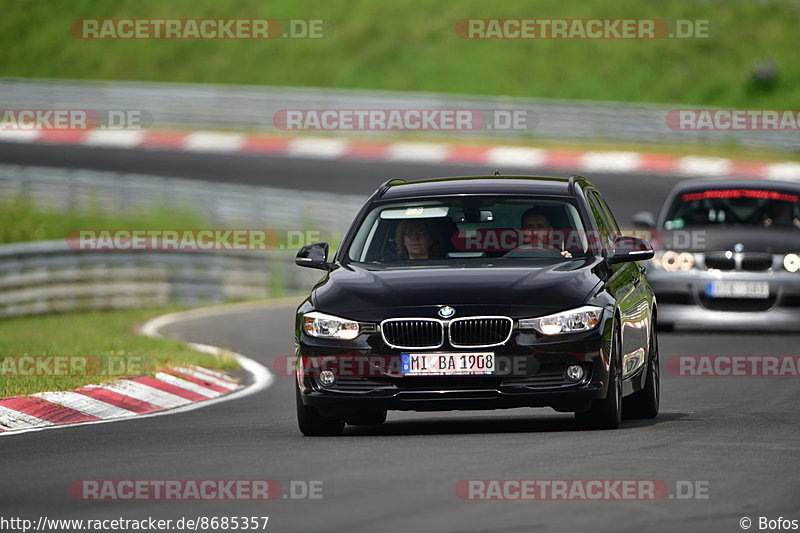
(528, 373)
(684, 303)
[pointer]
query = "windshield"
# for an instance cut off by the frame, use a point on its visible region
(472, 230)
(733, 207)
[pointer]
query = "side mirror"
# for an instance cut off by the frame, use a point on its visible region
(313, 256)
(644, 219)
(630, 249)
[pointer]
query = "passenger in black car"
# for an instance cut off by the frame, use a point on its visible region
(418, 239)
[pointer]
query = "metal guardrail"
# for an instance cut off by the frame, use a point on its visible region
(222, 204)
(196, 106)
(49, 276)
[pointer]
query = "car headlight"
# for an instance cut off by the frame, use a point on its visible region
(791, 262)
(324, 326)
(672, 261)
(572, 321)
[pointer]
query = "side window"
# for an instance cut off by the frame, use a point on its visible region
(613, 226)
(604, 225)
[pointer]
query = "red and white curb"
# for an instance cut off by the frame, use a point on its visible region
(169, 391)
(413, 152)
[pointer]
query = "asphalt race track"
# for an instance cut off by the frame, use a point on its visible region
(735, 439)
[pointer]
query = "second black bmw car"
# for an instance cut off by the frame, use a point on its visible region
(478, 293)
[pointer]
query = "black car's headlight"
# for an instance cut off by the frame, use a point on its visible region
(324, 326)
(572, 321)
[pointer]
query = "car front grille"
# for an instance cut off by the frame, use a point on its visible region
(720, 261)
(413, 333)
(429, 333)
(756, 261)
(479, 331)
(747, 261)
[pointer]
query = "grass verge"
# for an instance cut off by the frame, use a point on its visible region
(103, 346)
(749, 60)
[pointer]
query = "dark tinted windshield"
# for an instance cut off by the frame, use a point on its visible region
(733, 207)
(472, 229)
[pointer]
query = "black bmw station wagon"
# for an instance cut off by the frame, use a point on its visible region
(478, 293)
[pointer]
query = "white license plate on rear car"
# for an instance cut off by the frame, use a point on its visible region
(738, 289)
(448, 364)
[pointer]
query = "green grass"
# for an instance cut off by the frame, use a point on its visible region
(106, 339)
(21, 220)
(411, 45)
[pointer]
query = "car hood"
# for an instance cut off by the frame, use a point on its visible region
(772, 240)
(371, 295)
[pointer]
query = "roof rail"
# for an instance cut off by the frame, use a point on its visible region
(573, 180)
(385, 187)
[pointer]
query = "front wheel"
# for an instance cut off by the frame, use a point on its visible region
(313, 424)
(607, 413)
(644, 404)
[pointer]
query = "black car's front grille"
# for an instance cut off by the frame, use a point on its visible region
(720, 260)
(413, 333)
(481, 331)
(756, 261)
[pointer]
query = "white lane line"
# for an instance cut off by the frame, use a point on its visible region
(188, 385)
(145, 393)
(317, 147)
(12, 420)
(422, 152)
(19, 136)
(210, 141)
(611, 161)
(783, 171)
(207, 377)
(85, 404)
(115, 138)
(704, 166)
(513, 156)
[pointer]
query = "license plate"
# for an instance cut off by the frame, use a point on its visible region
(448, 364)
(738, 289)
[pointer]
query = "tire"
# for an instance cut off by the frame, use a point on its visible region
(367, 418)
(313, 424)
(644, 404)
(607, 413)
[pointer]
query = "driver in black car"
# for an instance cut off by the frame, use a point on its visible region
(538, 227)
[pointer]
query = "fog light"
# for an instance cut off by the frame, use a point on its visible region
(327, 378)
(575, 372)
